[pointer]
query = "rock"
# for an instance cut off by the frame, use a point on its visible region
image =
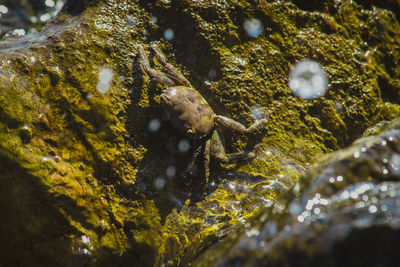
(347, 214)
(84, 181)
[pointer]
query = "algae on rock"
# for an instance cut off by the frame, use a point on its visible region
(81, 170)
(346, 214)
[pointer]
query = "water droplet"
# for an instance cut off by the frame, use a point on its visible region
(3, 9)
(309, 204)
(183, 146)
(317, 211)
(253, 27)
(154, 125)
(360, 204)
(306, 214)
(169, 34)
(172, 92)
(159, 183)
(300, 218)
(154, 20)
(50, 3)
(324, 201)
(295, 208)
(253, 232)
(59, 5)
(171, 171)
(45, 17)
(257, 112)
(383, 188)
(33, 19)
(344, 195)
(308, 80)
(105, 79)
(16, 32)
(356, 154)
(353, 194)
(339, 178)
(372, 209)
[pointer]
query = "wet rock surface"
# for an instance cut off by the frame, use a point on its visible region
(86, 181)
(20, 17)
(347, 214)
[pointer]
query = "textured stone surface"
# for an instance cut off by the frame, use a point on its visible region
(346, 214)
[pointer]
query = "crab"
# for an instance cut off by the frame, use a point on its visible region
(190, 113)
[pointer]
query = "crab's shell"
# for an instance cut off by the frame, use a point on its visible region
(188, 111)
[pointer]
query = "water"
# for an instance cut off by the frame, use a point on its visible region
(154, 125)
(169, 34)
(352, 206)
(26, 17)
(253, 27)
(308, 80)
(105, 80)
(184, 146)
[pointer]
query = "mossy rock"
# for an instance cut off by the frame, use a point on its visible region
(343, 212)
(81, 169)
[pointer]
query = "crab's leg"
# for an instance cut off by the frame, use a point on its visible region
(217, 148)
(175, 74)
(237, 127)
(201, 156)
(207, 158)
(191, 168)
(157, 75)
(234, 157)
(218, 151)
